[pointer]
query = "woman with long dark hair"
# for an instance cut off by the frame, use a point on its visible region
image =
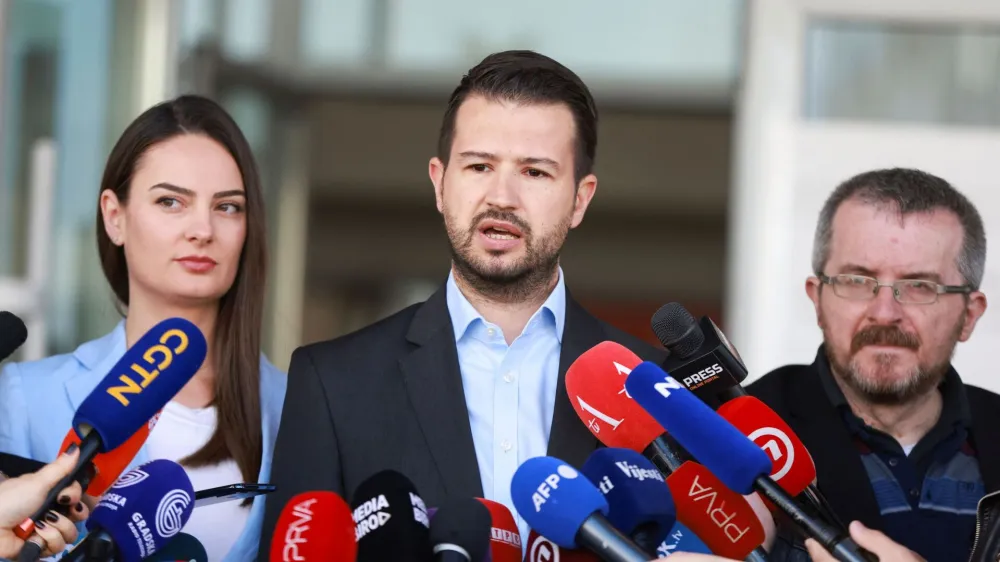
(180, 233)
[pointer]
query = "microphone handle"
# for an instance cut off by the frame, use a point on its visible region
(823, 507)
(599, 536)
(98, 546)
(825, 534)
(663, 455)
(757, 555)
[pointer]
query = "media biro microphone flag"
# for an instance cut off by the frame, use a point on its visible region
(505, 538)
(314, 526)
(13, 334)
(109, 466)
(541, 549)
(148, 376)
(460, 531)
(390, 518)
(145, 509)
(739, 464)
(561, 504)
(640, 504)
(682, 539)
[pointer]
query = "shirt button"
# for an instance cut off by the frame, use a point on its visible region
(893, 462)
(505, 445)
(509, 377)
(914, 492)
(491, 332)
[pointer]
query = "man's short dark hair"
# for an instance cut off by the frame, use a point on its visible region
(526, 77)
(908, 191)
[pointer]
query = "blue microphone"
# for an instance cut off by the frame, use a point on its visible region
(682, 539)
(740, 464)
(562, 505)
(139, 515)
(148, 376)
(637, 494)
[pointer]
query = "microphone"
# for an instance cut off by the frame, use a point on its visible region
(109, 466)
(565, 507)
(137, 516)
(13, 334)
(505, 537)
(181, 548)
(391, 520)
(148, 376)
(682, 539)
(314, 526)
(700, 355)
(461, 531)
(541, 549)
(597, 392)
(703, 359)
(639, 502)
(719, 516)
(739, 464)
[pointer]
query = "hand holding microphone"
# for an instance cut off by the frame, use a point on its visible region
(871, 540)
(21, 496)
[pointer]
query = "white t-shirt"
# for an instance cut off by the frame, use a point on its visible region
(180, 432)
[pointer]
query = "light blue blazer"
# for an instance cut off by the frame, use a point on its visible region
(38, 399)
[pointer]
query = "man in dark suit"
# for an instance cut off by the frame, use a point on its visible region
(457, 391)
(900, 443)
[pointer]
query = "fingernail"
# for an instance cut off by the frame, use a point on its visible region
(64, 500)
(71, 449)
(52, 517)
(79, 507)
(40, 524)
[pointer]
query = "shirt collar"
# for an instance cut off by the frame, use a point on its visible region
(954, 408)
(463, 314)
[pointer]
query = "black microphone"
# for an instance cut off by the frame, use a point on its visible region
(390, 520)
(703, 360)
(461, 531)
(13, 334)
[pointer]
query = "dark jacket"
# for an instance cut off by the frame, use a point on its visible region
(797, 395)
(390, 397)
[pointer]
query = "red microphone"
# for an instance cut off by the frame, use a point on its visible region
(314, 526)
(720, 517)
(110, 465)
(793, 466)
(541, 549)
(505, 538)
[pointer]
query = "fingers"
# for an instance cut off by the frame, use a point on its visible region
(70, 495)
(817, 552)
(57, 531)
(50, 474)
(79, 512)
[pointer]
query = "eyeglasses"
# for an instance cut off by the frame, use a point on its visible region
(905, 291)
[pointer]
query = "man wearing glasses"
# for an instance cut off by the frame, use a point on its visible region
(899, 442)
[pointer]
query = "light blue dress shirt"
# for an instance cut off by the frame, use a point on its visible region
(510, 391)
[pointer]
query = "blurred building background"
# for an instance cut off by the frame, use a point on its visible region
(724, 125)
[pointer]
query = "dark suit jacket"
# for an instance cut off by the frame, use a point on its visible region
(390, 397)
(796, 394)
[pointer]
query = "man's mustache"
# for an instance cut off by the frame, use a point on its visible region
(884, 335)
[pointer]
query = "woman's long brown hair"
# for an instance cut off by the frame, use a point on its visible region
(236, 346)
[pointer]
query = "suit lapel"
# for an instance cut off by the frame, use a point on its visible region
(434, 384)
(840, 474)
(569, 438)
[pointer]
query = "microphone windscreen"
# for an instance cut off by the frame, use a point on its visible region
(677, 330)
(390, 519)
(720, 517)
(505, 537)
(148, 376)
(711, 440)
(682, 539)
(462, 525)
(13, 334)
(541, 549)
(145, 508)
(554, 498)
(111, 464)
(792, 466)
(595, 383)
(182, 548)
(314, 526)
(639, 500)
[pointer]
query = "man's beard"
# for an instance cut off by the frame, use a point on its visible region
(500, 280)
(879, 387)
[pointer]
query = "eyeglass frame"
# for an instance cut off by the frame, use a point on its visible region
(942, 289)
